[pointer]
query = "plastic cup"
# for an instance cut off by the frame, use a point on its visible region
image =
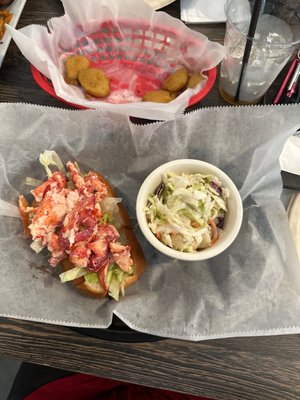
(276, 38)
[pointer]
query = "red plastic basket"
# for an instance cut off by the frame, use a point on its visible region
(132, 46)
(47, 86)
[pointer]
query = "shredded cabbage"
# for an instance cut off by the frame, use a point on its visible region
(115, 280)
(50, 157)
(9, 210)
(33, 182)
(72, 274)
(110, 204)
(189, 213)
(37, 246)
(110, 210)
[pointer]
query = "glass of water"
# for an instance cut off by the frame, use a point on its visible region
(277, 37)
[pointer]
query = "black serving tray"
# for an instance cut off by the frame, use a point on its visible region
(118, 331)
(290, 181)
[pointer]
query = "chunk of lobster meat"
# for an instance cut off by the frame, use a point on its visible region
(97, 263)
(107, 232)
(105, 235)
(93, 184)
(57, 251)
(99, 247)
(80, 223)
(102, 275)
(79, 256)
(54, 244)
(100, 254)
(72, 199)
(76, 176)
(49, 215)
(53, 261)
(87, 184)
(87, 228)
(57, 181)
(121, 255)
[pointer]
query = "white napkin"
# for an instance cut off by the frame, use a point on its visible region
(202, 11)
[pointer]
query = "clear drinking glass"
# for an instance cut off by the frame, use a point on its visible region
(277, 36)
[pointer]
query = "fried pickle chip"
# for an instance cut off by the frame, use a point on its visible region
(94, 81)
(176, 81)
(5, 18)
(194, 80)
(75, 64)
(159, 96)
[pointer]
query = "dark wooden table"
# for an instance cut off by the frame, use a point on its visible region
(236, 369)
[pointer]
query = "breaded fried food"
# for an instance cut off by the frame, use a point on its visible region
(176, 81)
(95, 82)
(5, 18)
(159, 96)
(75, 64)
(194, 80)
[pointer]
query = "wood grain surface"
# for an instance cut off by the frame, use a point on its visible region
(266, 368)
(234, 369)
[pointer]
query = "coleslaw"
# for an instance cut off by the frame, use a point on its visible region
(187, 211)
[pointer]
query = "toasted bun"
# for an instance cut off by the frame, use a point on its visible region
(137, 255)
(23, 204)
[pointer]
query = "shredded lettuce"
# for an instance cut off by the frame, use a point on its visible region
(9, 210)
(115, 278)
(50, 157)
(72, 274)
(33, 182)
(110, 204)
(115, 281)
(92, 278)
(106, 218)
(37, 246)
(110, 209)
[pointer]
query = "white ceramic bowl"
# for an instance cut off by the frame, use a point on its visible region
(233, 218)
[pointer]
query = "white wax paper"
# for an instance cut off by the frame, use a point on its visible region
(253, 288)
(290, 156)
(137, 47)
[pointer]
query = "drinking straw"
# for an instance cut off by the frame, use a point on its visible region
(251, 32)
(293, 83)
(285, 82)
